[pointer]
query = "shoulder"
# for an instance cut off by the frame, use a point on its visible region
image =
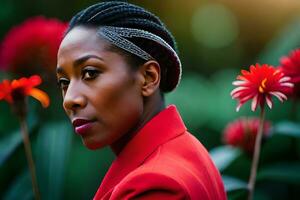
(162, 176)
(178, 169)
(144, 184)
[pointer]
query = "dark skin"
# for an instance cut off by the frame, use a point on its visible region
(98, 85)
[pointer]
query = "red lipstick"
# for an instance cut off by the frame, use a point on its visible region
(82, 126)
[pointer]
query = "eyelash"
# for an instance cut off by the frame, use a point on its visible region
(63, 83)
(87, 74)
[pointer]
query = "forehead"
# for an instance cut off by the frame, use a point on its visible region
(81, 40)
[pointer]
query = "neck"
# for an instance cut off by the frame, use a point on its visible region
(152, 106)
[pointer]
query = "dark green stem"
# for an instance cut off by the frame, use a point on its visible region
(27, 146)
(257, 147)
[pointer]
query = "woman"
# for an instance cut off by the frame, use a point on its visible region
(115, 63)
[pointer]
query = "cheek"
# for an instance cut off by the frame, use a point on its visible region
(116, 93)
(126, 122)
(119, 103)
(119, 106)
(119, 115)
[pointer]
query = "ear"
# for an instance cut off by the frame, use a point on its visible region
(151, 77)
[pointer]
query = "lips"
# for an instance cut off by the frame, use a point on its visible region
(82, 126)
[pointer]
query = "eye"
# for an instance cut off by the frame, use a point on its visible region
(63, 83)
(90, 73)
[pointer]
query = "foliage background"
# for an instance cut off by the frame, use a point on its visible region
(215, 39)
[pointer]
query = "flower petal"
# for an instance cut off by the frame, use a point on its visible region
(242, 133)
(269, 101)
(290, 66)
(34, 80)
(238, 107)
(246, 98)
(236, 90)
(5, 91)
(284, 79)
(279, 95)
(240, 83)
(41, 96)
(259, 84)
(287, 84)
(254, 103)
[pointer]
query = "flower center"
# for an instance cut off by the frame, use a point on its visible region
(262, 86)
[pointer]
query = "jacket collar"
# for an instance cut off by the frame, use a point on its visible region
(161, 128)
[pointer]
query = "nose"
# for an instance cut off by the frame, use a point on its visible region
(73, 99)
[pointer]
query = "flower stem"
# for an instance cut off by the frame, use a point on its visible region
(251, 183)
(27, 146)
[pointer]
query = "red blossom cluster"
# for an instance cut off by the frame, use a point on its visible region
(260, 83)
(242, 133)
(17, 90)
(290, 66)
(31, 46)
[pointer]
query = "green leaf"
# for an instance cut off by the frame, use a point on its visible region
(20, 188)
(88, 167)
(223, 156)
(12, 141)
(261, 194)
(232, 184)
(286, 172)
(52, 152)
(287, 128)
(237, 195)
(8, 145)
(7, 120)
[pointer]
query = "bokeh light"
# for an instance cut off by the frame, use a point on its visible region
(214, 26)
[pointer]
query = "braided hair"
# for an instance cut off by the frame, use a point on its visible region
(123, 14)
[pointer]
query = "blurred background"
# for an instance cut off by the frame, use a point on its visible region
(216, 39)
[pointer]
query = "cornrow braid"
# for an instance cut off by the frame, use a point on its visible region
(125, 15)
(150, 27)
(90, 11)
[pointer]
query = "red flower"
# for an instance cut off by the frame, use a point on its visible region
(242, 133)
(32, 44)
(260, 84)
(17, 90)
(290, 66)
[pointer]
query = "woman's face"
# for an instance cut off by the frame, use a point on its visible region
(101, 93)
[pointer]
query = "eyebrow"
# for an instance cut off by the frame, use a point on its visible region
(78, 62)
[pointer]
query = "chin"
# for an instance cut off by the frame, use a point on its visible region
(93, 145)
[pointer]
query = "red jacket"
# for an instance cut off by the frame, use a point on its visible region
(163, 161)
